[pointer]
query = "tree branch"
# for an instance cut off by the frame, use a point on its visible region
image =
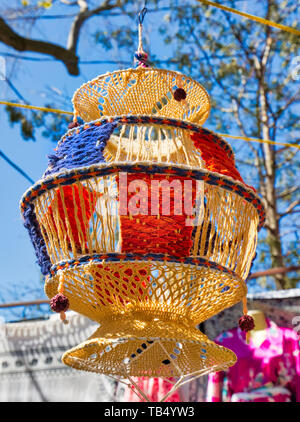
(82, 16)
(290, 208)
(288, 102)
(273, 271)
(288, 191)
(66, 55)
(9, 37)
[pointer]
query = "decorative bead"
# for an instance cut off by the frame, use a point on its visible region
(59, 303)
(73, 124)
(179, 94)
(246, 323)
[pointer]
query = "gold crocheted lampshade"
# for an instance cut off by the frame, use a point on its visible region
(144, 224)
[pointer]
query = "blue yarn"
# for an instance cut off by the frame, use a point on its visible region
(37, 240)
(81, 149)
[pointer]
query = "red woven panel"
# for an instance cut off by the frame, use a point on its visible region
(86, 203)
(215, 158)
(163, 234)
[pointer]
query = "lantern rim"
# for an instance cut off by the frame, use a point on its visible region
(115, 257)
(70, 176)
(116, 302)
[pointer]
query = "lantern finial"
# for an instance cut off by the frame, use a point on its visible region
(140, 55)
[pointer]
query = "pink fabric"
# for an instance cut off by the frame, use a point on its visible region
(154, 388)
(259, 371)
(264, 394)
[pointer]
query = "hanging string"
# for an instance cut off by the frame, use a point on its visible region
(140, 55)
(252, 17)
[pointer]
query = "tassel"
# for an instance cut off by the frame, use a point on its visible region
(74, 123)
(246, 322)
(60, 303)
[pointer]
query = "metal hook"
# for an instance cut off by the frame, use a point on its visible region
(142, 13)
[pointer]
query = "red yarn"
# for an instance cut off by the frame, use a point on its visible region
(85, 201)
(216, 159)
(246, 323)
(59, 303)
(166, 234)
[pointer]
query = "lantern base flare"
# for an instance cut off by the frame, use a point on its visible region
(148, 348)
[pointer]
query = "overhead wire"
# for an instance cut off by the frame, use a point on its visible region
(252, 17)
(12, 164)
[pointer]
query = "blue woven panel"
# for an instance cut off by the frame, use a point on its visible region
(81, 149)
(31, 224)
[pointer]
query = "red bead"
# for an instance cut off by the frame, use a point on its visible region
(59, 303)
(246, 323)
(179, 94)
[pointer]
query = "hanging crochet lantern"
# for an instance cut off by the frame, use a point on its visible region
(142, 223)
